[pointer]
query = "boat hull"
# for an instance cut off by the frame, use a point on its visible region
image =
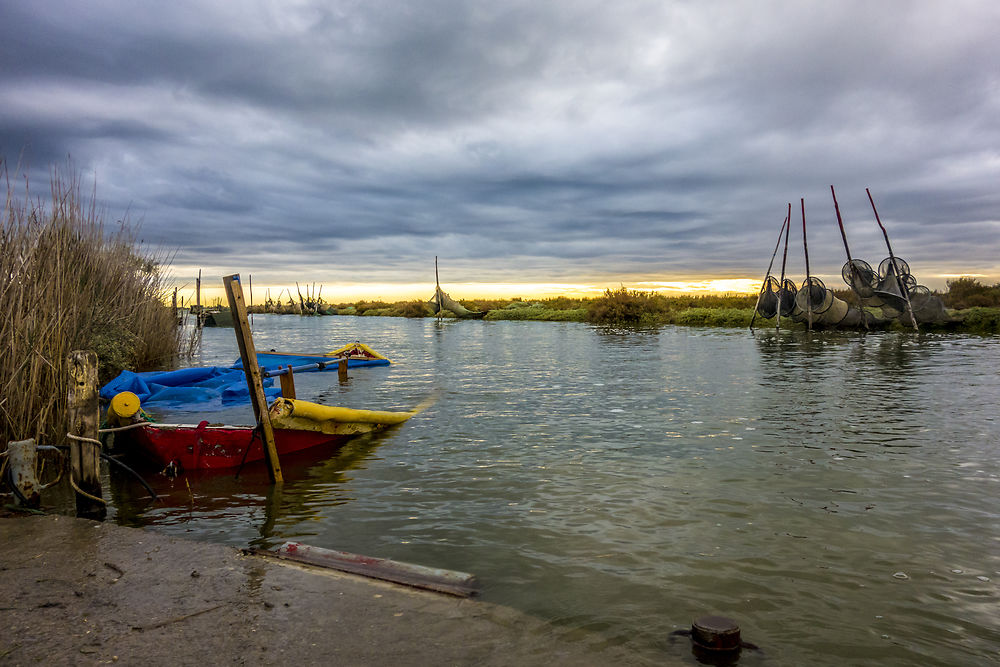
(205, 447)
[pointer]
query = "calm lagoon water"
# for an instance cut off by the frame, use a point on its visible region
(834, 493)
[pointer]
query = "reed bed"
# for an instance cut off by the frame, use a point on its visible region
(66, 283)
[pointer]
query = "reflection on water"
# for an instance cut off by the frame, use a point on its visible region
(832, 492)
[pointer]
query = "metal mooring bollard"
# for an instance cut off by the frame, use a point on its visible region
(22, 461)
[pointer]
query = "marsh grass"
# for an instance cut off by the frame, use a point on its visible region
(66, 283)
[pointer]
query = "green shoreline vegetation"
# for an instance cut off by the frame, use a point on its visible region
(68, 282)
(972, 306)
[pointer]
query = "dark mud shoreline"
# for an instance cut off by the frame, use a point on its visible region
(80, 592)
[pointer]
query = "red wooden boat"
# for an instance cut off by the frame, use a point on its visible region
(297, 425)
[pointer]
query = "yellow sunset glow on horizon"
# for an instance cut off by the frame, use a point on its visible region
(212, 294)
(395, 292)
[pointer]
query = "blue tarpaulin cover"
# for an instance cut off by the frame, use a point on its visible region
(205, 385)
(211, 386)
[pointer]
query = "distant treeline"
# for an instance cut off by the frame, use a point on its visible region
(976, 308)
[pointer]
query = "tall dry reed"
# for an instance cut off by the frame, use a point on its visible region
(66, 283)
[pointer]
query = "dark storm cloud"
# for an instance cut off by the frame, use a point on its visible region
(532, 140)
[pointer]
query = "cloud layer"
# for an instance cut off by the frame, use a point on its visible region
(520, 141)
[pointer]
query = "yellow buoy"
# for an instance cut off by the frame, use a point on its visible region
(124, 405)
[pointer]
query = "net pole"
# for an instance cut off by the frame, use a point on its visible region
(784, 261)
(892, 261)
(805, 246)
(850, 261)
(768, 274)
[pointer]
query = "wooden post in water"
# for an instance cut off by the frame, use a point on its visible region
(288, 383)
(342, 370)
(200, 319)
(248, 354)
(83, 417)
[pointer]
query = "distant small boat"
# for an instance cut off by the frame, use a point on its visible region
(218, 317)
(298, 425)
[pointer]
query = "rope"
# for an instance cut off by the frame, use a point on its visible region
(84, 493)
(123, 428)
(80, 438)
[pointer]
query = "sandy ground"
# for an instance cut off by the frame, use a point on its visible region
(77, 592)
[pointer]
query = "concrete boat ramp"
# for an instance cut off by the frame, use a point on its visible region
(78, 592)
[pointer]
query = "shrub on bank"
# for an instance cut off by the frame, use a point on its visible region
(413, 309)
(625, 306)
(714, 317)
(538, 312)
(981, 320)
(67, 284)
(970, 293)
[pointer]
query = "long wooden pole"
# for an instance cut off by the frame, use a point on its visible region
(768, 274)
(892, 259)
(805, 246)
(248, 354)
(84, 447)
(437, 288)
(200, 319)
(784, 261)
(850, 261)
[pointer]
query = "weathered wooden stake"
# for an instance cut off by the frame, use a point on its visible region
(83, 416)
(342, 370)
(248, 354)
(287, 384)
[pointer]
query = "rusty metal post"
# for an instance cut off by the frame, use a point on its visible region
(22, 460)
(84, 448)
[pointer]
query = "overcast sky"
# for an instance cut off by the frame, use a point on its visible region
(569, 141)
